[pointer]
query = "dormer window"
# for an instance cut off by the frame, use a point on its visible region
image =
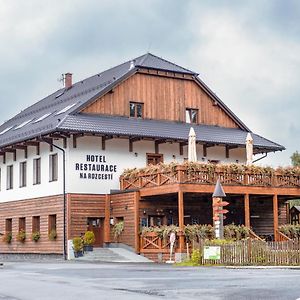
(136, 109)
(191, 115)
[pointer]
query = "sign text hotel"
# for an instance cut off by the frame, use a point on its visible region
(96, 167)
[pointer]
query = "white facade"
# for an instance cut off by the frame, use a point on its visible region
(91, 170)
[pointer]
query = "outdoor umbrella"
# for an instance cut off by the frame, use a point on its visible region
(249, 149)
(192, 154)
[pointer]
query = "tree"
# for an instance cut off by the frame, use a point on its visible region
(295, 159)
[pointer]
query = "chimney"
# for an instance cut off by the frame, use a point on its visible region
(68, 80)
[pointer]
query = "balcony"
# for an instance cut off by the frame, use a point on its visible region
(207, 174)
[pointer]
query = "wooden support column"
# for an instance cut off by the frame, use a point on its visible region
(275, 216)
(137, 221)
(107, 220)
(181, 221)
(247, 210)
(204, 150)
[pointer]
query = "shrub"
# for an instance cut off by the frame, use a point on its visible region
(21, 236)
(77, 244)
(35, 236)
(196, 257)
(52, 235)
(89, 238)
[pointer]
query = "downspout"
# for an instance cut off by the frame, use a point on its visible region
(260, 157)
(64, 194)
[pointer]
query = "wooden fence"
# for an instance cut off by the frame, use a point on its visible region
(255, 252)
(244, 252)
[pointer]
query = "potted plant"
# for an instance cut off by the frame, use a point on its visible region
(7, 237)
(78, 246)
(35, 236)
(21, 236)
(52, 235)
(88, 240)
(117, 229)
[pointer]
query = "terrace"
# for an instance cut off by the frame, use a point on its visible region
(257, 196)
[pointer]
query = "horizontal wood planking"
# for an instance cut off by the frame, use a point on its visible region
(42, 207)
(122, 206)
(164, 98)
(81, 207)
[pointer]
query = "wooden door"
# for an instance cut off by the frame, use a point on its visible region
(96, 225)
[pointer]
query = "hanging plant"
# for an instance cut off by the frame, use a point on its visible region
(52, 235)
(35, 236)
(117, 229)
(21, 236)
(7, 237)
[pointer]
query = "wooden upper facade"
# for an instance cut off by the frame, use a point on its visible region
(163, 96)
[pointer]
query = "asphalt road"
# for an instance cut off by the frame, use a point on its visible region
(69, 280)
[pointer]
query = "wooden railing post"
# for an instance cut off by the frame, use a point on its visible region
(180, 173)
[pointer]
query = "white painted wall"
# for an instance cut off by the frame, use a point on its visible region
(116, 154)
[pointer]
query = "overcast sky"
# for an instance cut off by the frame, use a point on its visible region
(247, 52)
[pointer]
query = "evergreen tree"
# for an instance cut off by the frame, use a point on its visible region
(295, 159)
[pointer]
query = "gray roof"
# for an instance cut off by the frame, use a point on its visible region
(124, 126)
(88, 90)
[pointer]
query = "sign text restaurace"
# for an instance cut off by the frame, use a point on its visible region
(96, 167)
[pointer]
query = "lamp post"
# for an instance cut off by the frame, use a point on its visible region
(218, 211)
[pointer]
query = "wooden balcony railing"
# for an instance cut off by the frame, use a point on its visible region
(181, 174)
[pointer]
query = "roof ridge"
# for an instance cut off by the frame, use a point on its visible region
(165, 60)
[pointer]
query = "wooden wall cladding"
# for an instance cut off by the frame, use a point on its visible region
(122, 206)
(81, 207)
(164, 98)
(42, 207)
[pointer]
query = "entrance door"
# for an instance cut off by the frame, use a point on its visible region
(96, 225)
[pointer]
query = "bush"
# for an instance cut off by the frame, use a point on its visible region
(196, 257)
(77, 244)
(89, 238)
(35, 236)
(52, 235)
(21, 236)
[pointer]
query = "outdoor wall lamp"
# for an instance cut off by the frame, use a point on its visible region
(135, 154)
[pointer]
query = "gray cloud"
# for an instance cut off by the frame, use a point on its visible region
(247, 52)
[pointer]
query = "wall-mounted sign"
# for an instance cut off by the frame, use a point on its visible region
(95, 167)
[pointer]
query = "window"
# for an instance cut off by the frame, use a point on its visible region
(23, 173)
(35, 224)
(136, 109)
(6, 129)
(51, 223)
(10, 177)
(22, 224)
(191, 115)
(8, 225)
(154, 159)
(37, 171)
(65, 109)
(42, 117)
(53, 167)
(23, 124)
